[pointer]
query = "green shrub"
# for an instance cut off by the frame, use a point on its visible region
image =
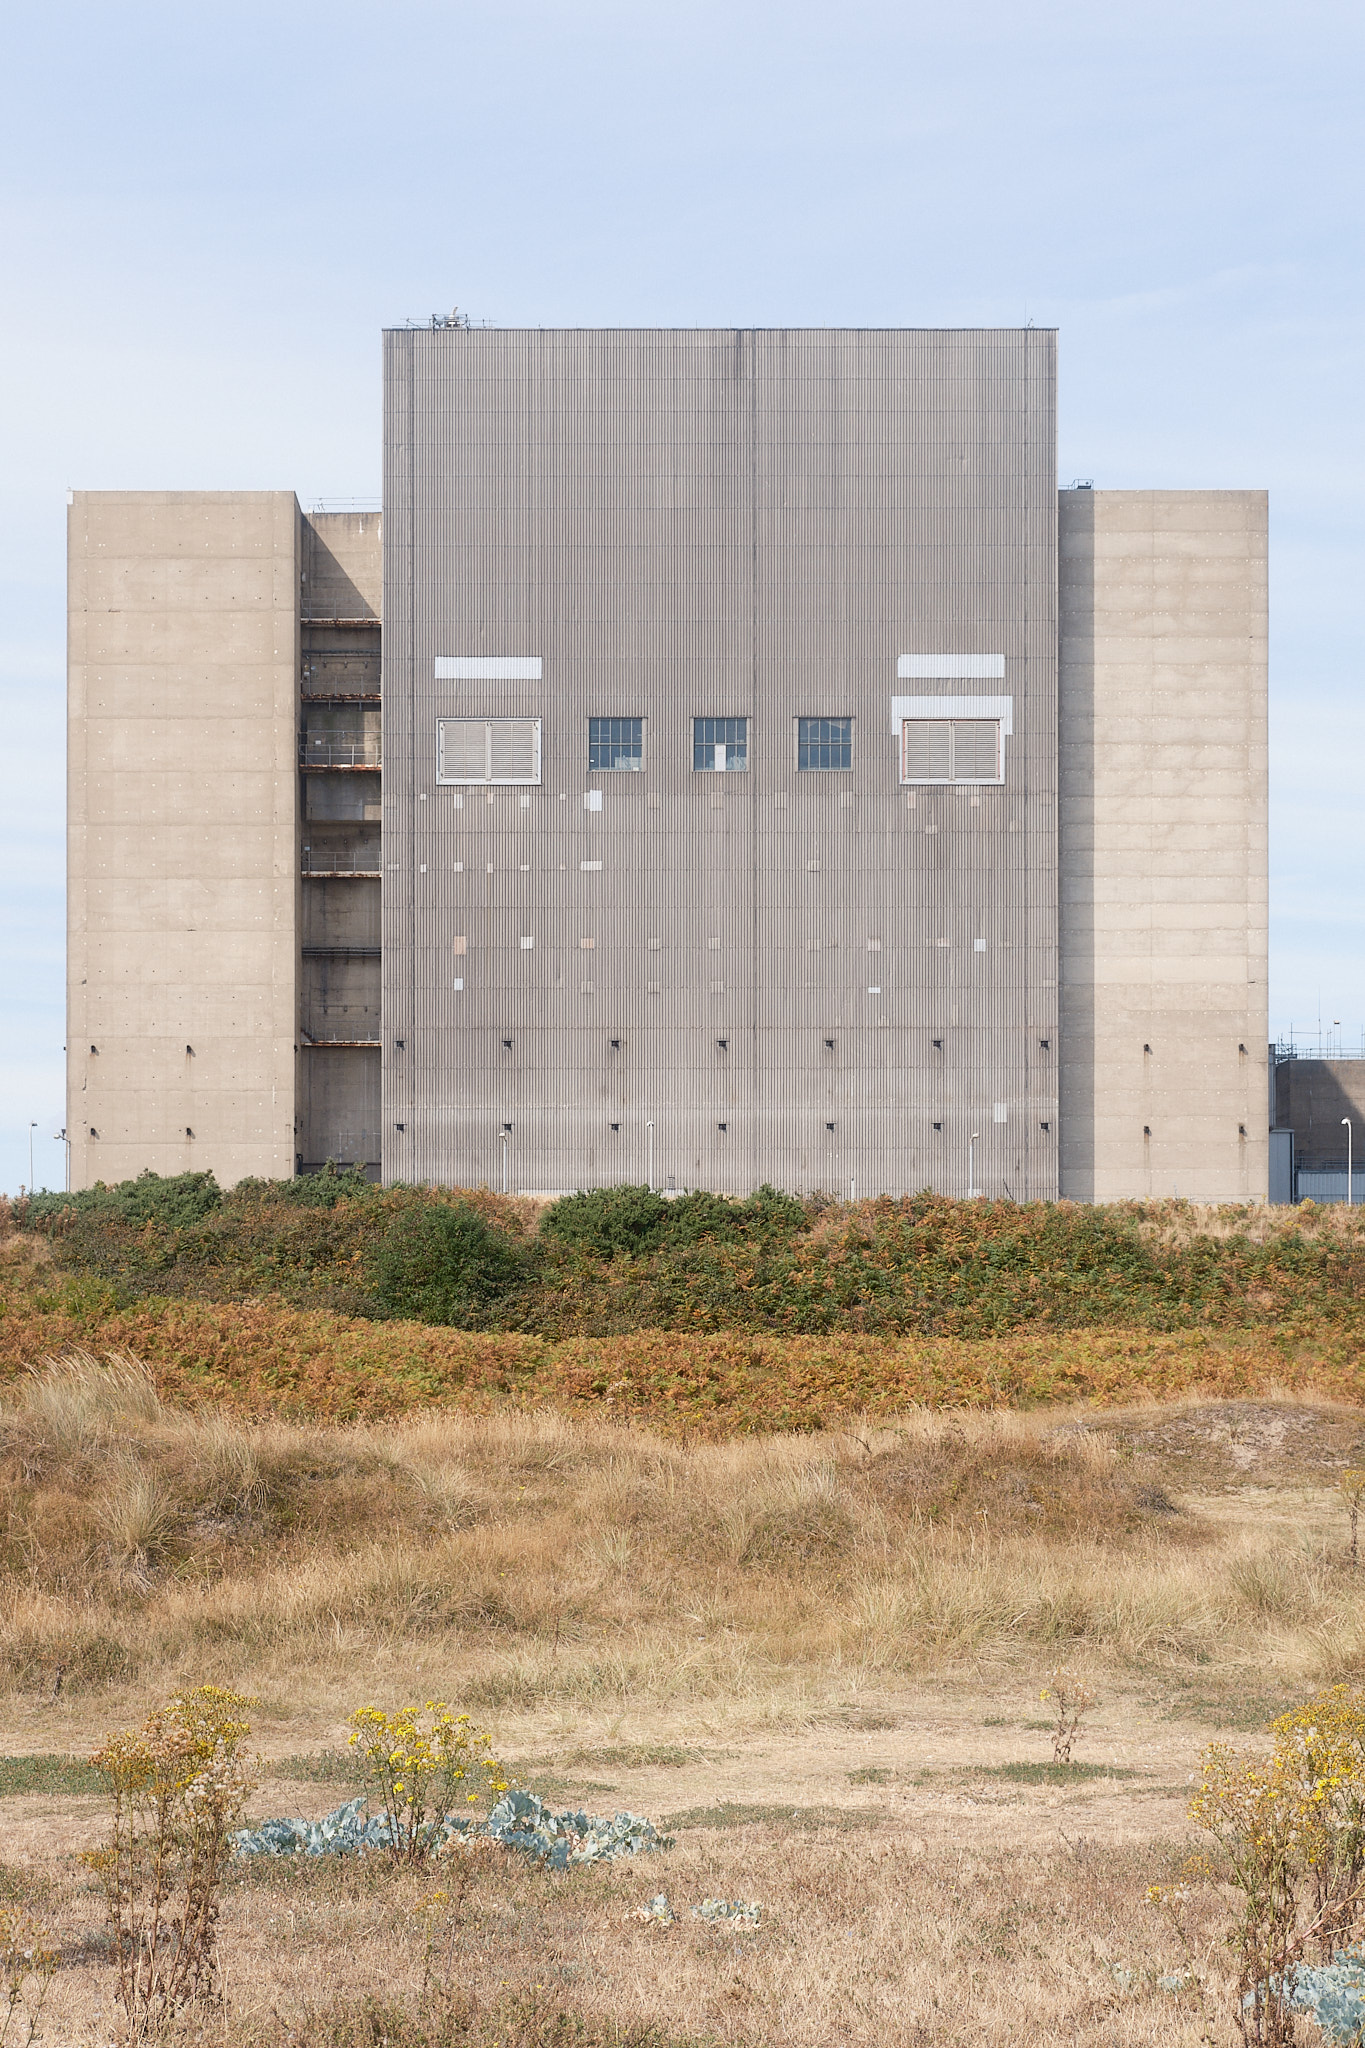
(632, 1222)
(768, 1213)
(440, 1262)
(321, 1190)
(169, 1203)
(608, 1223)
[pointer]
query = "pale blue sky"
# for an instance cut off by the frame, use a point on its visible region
(210, 212)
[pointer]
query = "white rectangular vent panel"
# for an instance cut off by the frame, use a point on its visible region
(976, 749)
(491, 750)
(928, 750)
(951, 750)
(487, 668)
(949, 668)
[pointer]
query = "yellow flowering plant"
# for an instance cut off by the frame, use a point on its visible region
(1321, 1749)
(423, 1765)
(176, 1788)
(1289, 1830)
(1249, 1805)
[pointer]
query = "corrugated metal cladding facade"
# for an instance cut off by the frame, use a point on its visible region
(727, 523)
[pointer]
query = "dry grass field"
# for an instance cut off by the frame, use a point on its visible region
(815, 1658)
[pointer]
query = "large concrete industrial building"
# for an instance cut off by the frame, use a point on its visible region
(767, 774)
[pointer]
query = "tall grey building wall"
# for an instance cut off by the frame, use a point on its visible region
(810, 978)
(1164, 844)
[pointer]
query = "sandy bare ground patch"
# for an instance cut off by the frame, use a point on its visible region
(911, 1891)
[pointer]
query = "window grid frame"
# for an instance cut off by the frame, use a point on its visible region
(602, 744)
(720, 732)
(825, 742)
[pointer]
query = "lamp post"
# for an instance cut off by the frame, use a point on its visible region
(31, 1129)
(972, 1189)
(1350, 1191)
(650, 1128)
(506, 1142)
(60, 1138)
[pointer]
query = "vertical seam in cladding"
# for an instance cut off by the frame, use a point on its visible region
(1025, 479)
(410, 722)
(761, 967)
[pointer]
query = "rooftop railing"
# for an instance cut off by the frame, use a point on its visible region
(341, 860)
(1321, 1042)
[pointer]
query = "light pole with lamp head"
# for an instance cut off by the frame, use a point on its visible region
(31, 1129)
(506, 1147)
(972, 1189)
(60, 1138)
(650, 1128)
(1350, 1192)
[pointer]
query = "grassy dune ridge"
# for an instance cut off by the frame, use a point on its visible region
(333, 1299)
(616, 1261)
(260, 1358)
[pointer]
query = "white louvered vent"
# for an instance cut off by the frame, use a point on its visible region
(505, 750)
(976, 749)
(928, 750)
(951, 750)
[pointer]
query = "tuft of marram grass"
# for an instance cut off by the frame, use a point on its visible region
(77, 1399)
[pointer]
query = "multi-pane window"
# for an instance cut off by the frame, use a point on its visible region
(488, 750)
(615, 743)
(721, 744)
(824, 742)
(951, 750)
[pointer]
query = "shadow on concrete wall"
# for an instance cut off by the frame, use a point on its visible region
(333, 590)
(1311, 1098)
(1076, 844)
(341, 1108)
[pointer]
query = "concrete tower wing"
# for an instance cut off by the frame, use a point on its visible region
(183, 641)
(223, 694)
(1164, 844)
